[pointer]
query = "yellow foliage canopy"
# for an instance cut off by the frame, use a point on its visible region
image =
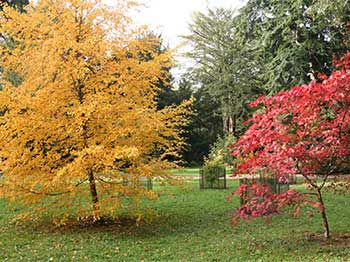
(83, 124)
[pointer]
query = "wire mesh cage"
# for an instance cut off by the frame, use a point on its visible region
(275, 186)
(213, 177)
(147, 183)
(143, 182)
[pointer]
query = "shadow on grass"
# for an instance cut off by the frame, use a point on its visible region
(158, 225)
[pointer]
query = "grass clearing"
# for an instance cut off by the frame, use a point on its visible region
(186, 171)
(189, 225)
(193, 172)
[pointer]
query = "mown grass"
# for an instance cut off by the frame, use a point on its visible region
(194, 171)
(188, 225)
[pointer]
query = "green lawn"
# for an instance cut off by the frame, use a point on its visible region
(194, 171)
(189, 225)
(186, 172)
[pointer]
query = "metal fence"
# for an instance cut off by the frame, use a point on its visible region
(217, 182)
(274, 185)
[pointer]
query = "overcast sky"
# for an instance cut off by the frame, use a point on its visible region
(171, 17)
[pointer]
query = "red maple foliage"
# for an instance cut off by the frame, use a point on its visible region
(304, 131)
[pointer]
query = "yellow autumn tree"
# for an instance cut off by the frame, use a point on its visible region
(81, 130)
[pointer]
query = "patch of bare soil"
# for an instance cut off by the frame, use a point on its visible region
(336, 240)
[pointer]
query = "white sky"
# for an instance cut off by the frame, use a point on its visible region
(171, 18)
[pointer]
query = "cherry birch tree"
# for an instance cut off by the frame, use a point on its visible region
(82, 129)
(305, 131)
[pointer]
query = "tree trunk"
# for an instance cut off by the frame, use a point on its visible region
(229, 124)
(323, 215)
(94, 196)
(90, 173)
(232, 125)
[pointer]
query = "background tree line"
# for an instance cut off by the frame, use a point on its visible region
(263, 48)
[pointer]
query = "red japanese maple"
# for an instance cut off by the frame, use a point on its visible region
(304, 131)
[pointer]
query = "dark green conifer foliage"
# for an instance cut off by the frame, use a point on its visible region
(295, 39)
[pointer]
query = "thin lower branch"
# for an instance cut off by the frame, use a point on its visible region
(50, 194)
